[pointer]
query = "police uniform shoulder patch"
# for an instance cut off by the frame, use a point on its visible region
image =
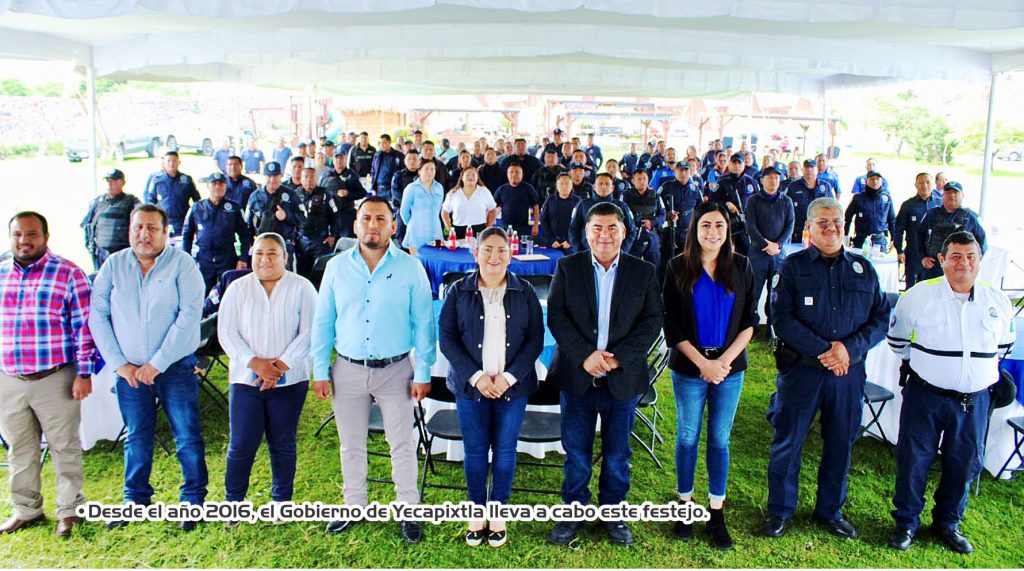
(858, 267)
(286, 197)
(228, 207)
(992, 312)
(184, 178)
(246, 183)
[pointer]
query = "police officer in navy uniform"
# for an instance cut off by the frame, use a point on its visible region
(940, 222)
(275, 208)
(319, 231)
(733, 191)
(239, 186)
(546, 178)
(580, 186)
(643, 162)
(622, 185)
(106, 223)
(360, 157)
(828, 311)
(603, 191)
(386, 163)
(649, 215)
(872, 214)
(769, 226)
(629, 161)
(172, 190)
(594, 152)
(802, 192)
(531, 164)
(908, 220)
(681, 195)
(342, 183)
(210, 230)
(951, 333)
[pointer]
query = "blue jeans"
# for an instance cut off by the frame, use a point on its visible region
(490, 425)
(579, 420)
(722, 399)
(178, 391)
(255, 413)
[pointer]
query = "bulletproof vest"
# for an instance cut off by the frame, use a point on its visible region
(269, 222)
(318, 213)
(643, 206)
(110, 222)
(940, 231)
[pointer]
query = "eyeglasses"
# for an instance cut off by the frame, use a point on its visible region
(824, 223)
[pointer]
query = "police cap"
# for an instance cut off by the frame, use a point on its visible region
(273, 168)
(114, 174)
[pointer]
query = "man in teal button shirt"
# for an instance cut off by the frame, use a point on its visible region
(375, 307)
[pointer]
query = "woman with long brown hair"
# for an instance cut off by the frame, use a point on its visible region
(709, 320)
(468, 205)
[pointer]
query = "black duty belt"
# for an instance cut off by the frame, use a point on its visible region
(376, 363)
(42, 374)
(965, 400)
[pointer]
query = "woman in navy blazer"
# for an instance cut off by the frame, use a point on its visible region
(491, 332)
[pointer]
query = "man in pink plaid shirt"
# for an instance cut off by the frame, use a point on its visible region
(46, 363)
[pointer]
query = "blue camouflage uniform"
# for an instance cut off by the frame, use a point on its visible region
(172, 193)
(209, 237)
(908, 220)
(819, 300)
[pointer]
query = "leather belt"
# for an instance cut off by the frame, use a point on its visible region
(376, 363)
(42, 374)
(711, 353)
(955, 395)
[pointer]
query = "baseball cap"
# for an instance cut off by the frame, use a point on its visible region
(114, 174)
(273, 168)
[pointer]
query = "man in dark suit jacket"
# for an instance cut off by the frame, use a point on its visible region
(604, 312)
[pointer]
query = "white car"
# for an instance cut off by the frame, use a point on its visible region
(1010, 153)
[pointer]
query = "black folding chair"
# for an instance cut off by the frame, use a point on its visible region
(655, 367)
(316, 276)
(541, 427)
(1017, 424)
(209, 354)
(447, 280)
(876, 396)
(541, 283)
(444, 424)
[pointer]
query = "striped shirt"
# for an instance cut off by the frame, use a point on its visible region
(147, 319)
(44, 317)
(251, 324)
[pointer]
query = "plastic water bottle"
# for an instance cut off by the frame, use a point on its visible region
(452, 243)
(865, 248)
(470, 238)
(805, 238)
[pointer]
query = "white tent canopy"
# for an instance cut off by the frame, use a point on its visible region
(674, 48)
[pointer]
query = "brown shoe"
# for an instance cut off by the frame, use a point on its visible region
(14, 524)
(65, 524)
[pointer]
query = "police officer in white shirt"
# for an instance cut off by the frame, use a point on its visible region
(951, 332)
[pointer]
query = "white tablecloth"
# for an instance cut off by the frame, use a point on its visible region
(101, 417)
(883, 368)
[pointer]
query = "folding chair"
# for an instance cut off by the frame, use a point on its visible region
(541, 427)
(442, 424)
(875, 395)
(44, 451)
(447, 280)
(649, 399)
(316, 276)
(541, 284)
(1017, 424)
(207, 355)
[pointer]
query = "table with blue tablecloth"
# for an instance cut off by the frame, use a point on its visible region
(453, 449)
(438, 261)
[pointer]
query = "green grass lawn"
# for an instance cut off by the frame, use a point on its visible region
(994, 519)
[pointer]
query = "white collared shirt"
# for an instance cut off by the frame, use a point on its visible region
(469, 210)
(251, 324)
(952, 343)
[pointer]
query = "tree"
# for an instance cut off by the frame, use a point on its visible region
(895, 116)
(14, 87)
(1005, 134)
(52, 89)
(905, 120)
(931, 140)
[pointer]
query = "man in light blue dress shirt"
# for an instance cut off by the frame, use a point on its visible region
(149, 336)
(375, 307)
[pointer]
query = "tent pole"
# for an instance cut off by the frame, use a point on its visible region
(750, 121)
(90, 88)
(824, 120)
(986, 169)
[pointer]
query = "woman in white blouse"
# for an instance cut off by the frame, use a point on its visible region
(468, 204)
(264, 327)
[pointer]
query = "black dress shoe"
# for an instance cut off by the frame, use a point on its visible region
(340, 525)
(187, 526)
(775, 526)
(411, 531)
(619, 533)
(838, 527)
(564, 532)
(719, 533)
(954, 540)
(901, 539)
(116, 523)
(682, 531)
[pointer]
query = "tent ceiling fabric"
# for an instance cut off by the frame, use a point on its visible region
(594, 47)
